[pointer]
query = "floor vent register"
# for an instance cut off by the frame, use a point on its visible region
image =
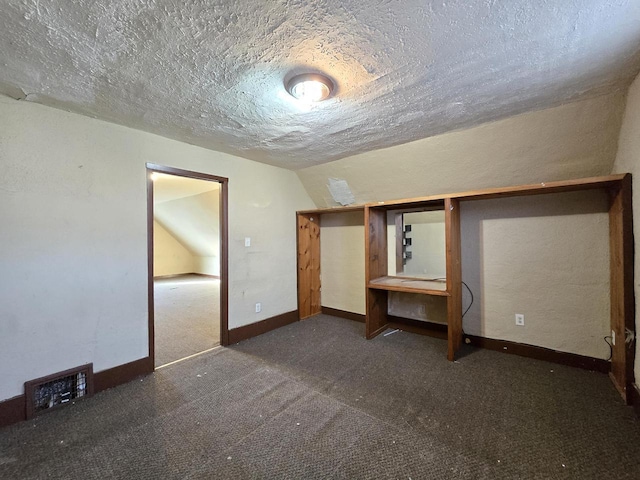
(58, 389)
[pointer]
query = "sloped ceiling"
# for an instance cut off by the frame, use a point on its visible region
(211, 72)
(193, 220)
(570, 141)
(173, 187)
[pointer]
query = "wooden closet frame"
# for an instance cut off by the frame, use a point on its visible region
(379, 282)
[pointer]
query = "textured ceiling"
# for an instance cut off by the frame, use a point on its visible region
(211, 72)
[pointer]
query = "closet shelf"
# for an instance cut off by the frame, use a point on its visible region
(410, 285)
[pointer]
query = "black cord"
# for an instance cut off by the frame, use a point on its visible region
(610, 347)
(470, 293)
(468, 290)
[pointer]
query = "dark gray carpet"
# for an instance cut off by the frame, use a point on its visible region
(316, 400)
(186, 315)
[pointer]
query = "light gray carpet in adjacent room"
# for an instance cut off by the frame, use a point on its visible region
(315, 400)
(187, 316)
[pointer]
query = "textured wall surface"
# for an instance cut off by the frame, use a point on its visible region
(212, 72)
(546, 257)
(342, 262)
(628, 160)
(572, 141)
(73, 268)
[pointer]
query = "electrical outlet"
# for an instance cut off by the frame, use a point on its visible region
(520, 319)
(258, 307)
(247, 241)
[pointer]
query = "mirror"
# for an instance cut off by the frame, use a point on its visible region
(419, 239)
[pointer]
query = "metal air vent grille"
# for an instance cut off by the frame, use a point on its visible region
(52, 391)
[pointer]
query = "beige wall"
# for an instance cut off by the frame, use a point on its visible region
(628, 160)
(170, 257)
(342, 261)
(207, 265)
(73, 268)
(418, 307)
(195, 222)
(546, 257)
(570, 141)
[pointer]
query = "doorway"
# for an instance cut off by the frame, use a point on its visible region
(187, 236)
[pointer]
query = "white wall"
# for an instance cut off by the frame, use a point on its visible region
(628, 160)
(73, 267)
(170, 257)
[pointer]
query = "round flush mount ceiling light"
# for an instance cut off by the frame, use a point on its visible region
(310, 87)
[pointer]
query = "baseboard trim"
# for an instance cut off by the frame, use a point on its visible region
(207, 275)
(173, 275)
(334, 312)
(635, 399)
(254, 329)
(14, 410)
(439, 330)
(112, 377)
(540, 353)
(177, 275)
(409, 325)
(431, 329)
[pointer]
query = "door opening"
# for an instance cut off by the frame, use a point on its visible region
(187, 258)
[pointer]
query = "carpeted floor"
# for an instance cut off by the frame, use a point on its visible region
(315, 400)
(186, 315)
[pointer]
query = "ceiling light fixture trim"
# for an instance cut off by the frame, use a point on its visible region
(310, 87)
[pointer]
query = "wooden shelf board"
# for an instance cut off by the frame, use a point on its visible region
(519, 190)
(427, 203)
(320, 211)
(543, 188)
(410, 285)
